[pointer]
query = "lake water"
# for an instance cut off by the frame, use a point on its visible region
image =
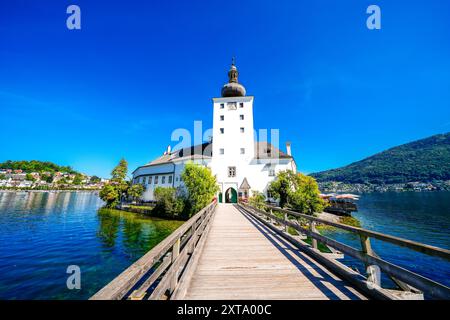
(43, 233)
(418, 216)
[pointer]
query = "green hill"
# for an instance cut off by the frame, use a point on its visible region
(35, 166)
(423, 160)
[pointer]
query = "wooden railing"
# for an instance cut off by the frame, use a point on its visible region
(405, 279)
(158, 273)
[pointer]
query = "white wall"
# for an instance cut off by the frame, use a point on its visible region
(231, 141)
(170, 173)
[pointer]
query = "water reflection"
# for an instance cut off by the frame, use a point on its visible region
(132, 233)
(109, 227)
(44, 232)
(134, 238)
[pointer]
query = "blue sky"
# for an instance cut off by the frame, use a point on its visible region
(137, 70)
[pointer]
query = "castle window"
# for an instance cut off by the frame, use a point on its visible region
(222, 151)
(242, 130)
(150, 180)
(156, 179)
(241, 105)
(144, 180)
(222, 130)
(241, 117)
(163, 180)
(222, 105)
(222, 118)
(231, 172)
(242, 150)
(231, 106)
(271, 173)
(170, 179)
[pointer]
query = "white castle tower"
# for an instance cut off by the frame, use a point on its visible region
(241, 164)
(233, 137)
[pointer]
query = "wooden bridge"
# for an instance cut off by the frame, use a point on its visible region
(239, 252)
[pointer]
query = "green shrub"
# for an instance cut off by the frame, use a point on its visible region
(257, 200)
(135, 191)
(168, 202)
(297, 191)
(201, 186)
(110, 195)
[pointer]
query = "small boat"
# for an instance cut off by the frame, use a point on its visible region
(340, 204)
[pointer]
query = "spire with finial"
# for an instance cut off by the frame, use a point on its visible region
(233, 88)
(233, 73)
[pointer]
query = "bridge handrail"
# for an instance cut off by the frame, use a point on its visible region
(166, 259)
(413, 245)
(404, 278)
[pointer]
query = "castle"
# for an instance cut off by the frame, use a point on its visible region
(240, 163)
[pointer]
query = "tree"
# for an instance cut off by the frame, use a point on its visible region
(297, 191)
(2, 177)
(119, 173)
(281, 188)
(136, 191)
(110, 195)
(306, 197)
(118, 176)
(35, 166)
(29, 177)
(47, 178)
(201, 186)
(77, 180)
(168, 202)
(95, 179)
(257, 200)
(62, 181)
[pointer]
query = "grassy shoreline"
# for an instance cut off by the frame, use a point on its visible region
(148, 212)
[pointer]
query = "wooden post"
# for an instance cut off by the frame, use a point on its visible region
(285, 220)
(365, 245)
(312, 226)
(373, 272)
(175, 254)
(193, 235)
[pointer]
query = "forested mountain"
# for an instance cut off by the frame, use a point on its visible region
(423, 160)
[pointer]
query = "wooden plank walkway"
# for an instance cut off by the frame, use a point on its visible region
(243, 259)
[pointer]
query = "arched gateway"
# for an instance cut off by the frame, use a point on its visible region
(230, 195)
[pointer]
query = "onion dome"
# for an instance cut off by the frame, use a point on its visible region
(233, 88)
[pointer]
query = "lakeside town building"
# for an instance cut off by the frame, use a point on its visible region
(240, 163)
